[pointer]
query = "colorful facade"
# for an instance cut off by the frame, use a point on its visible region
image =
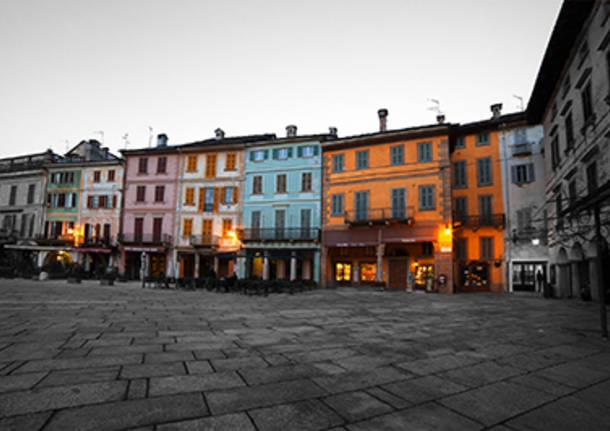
(208, 218)
(386, 209)
(281, 207)
(149, 210)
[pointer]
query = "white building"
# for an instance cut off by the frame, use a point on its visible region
(571, 98)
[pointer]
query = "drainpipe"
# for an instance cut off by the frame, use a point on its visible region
(506, 192)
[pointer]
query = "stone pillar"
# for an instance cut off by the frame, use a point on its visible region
(293, 265)
(241, 263)
(306, 269)
(379, 272)
(40, 258)
(575, 273)
(280, 270)
(443, 265)
(316, 266)
(356, 272)
(323, 269)
(122, 259)
(216, 264)
(173, 267)
(594, 281)
(87, 264)
(266, 267)
(197, 263)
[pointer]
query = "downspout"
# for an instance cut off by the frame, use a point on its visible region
(506, 193)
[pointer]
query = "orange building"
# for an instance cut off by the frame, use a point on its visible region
(478, 205)
(387, 209)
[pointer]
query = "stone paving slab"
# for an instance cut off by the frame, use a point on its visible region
(123, 357)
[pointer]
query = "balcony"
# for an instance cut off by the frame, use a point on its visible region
(203, 240)
(146, 238)
(522, 149)
(477, 221)
(380, 216)
(58, 240)
(281, 234)
(96, 242)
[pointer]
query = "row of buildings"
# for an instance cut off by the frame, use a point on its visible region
(493, 205)
(447, 206)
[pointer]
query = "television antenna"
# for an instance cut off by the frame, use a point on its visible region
(150, 136)
(436, 106)
(125, 138)
(520, 99)
(101, 133)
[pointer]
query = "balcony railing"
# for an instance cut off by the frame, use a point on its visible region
(522, 149)
(146, 238)
(203, 240)
(96, 242)
(379, 215)
(282, 234)
(497, 220)
(65, 239)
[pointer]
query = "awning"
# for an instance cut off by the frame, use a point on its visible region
(146, 249)
(92, 250)
(34, 247)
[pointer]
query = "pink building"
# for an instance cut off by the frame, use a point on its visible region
(149, 209)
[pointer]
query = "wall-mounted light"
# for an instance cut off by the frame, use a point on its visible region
(535, 241)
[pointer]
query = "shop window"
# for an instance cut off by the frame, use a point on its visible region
(423, 272)
(343, 271)
(368, 272)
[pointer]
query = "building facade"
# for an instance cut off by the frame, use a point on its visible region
(570, 99)
(387, 209)
(149, 210)
(209, 205)
(281, 207)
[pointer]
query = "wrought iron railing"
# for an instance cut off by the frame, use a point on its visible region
(522, 149)
(145, 238)
(379, 215)
(281, 234)
(203, 240)
(475, 221)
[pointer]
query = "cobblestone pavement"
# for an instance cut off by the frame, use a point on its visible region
(96, 357)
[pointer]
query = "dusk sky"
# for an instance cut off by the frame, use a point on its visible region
(73, 68)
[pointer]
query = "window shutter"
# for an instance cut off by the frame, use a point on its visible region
(265, 154)
(201, 199)
(114, 199)
(234, 195)
(222, 195)
(513, 174)
(251, 156)
(299, 151)
(274, 154)
(530, 172)
(216, 199)
(289, 151)
(316, 150)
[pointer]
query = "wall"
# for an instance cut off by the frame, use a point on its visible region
(22, 179)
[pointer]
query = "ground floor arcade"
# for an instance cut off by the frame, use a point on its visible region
(275, 263)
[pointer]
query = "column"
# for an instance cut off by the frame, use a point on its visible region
(266, 267)
(575, 279)
(378, 275)
(316, 266)
(307, 269)
(196, 269)
(293, 265)
(594, 282)
(40, 258)
(322, 269)
(241, 263)
(216, 263)
(87, 263)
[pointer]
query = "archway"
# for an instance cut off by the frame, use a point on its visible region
(562, 288)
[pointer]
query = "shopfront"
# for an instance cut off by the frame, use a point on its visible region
(156, 257)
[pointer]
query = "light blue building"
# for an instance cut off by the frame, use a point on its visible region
(282, 208)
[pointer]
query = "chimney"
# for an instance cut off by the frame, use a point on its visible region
(220, 134)
(332, 131)
(161, 140)
(105, 152)
(291, 131)
(440, 118)
(496, 110)
(383, 119)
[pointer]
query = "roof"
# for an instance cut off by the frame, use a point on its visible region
(233, 140)
(568, 26)
(298, 138)
(490, 123)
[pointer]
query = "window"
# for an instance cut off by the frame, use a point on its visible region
(257, 185)
(554, 111)
(157, 228)
(424, 151)
(255, 220)
(486, 250)
(459, 174)
(13, 195)
(368, 271)
(484, 177)
(397, 155)
(61, 200)
(191, 163)
(210, 166)
(587, 105)
(227, 197)
(485, 208)
(102, 201)
(306, 182)
(306, 223)
(258, 155)
(522, 173)
(188, 227)
(160, 193)
(110, 176)
(565, 87)
(569, 132)
(206, 228)
(114, 201)
(143, 165)
(189, 198)
(426, 197)
(337, 205)
(398, 203)
(32, 223)
(91, 202)
(138, 228)
(427, 248)
(483, 138)
(107, 232)
(461, 249)
(592, 178)
(343, 271)
(338, 163)
(572, 192)
(558, 212)
(161, 165)
(280, 183)
(280, 223)
(524, 220)
(281, 153)
(460, 142)
(97, 176)
(209, 203)
(582, 53)
(555, 159)
(31, 192)
(362, 159)
(68, 177)
(227, 226)
(230, 162)
(461, 208)
(361, 205)
(308, 151)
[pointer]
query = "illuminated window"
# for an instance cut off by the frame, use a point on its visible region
(343, 271)
(191, 163)
(368, 272)
(227, 226)
(190, 196)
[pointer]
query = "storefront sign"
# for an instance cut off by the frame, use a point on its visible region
(146, 249)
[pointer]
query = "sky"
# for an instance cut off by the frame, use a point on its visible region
(82, 69)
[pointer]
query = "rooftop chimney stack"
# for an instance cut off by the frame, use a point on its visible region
(220, 134)
(383, 119)
(161, 140)
(496, 110)
(291, 131)
(440, 118)
(332, 131)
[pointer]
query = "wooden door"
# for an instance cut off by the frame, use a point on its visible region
(398, 273)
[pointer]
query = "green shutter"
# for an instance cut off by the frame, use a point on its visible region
(274, 153)
(251, 156)
(289, 151)
(265, 154)
(316, 150)
(299, 151)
